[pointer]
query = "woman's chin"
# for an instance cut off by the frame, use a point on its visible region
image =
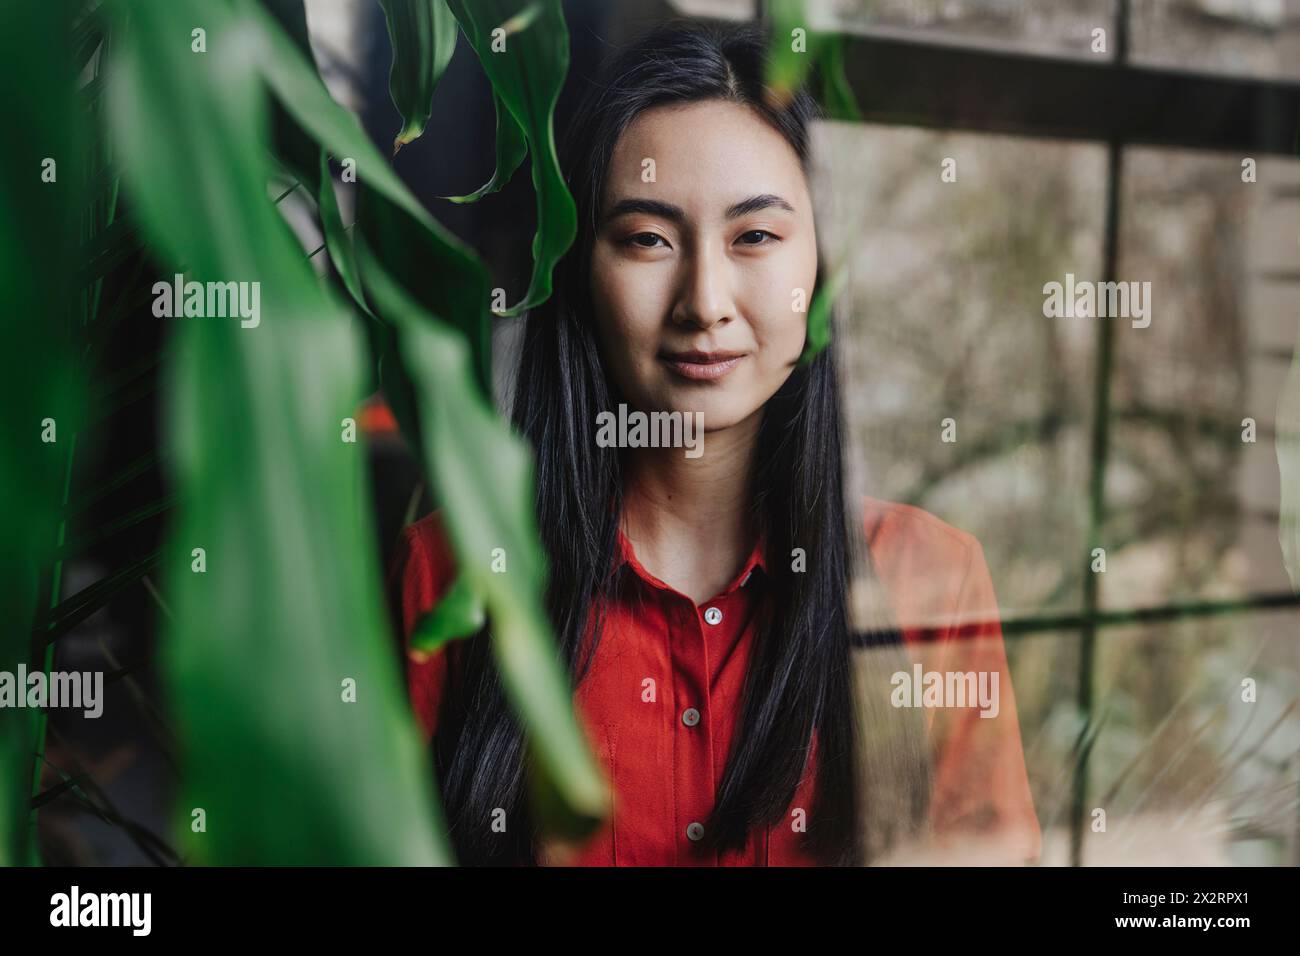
(716, 415)
(719, 406)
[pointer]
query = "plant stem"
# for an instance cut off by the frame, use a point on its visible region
(56, 582)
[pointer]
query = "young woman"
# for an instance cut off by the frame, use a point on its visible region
(741, 712)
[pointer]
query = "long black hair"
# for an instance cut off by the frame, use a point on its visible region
(801, 671)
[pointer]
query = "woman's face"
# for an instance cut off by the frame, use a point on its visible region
(700, 278)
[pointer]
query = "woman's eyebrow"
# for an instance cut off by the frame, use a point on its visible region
(651, 207)
(654, 207)
(755, 203)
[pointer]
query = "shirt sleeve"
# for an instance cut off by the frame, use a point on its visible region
(420, 579)
(981, 797)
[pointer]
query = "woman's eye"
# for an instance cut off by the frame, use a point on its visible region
(646, 240)
(756, 237)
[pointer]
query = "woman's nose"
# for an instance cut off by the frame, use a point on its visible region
(706, 297)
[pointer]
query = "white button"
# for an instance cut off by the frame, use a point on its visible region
(695, 832)
(713, 615)
(690, 716)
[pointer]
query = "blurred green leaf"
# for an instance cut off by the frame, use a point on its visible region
(39, 376)
(488, 486)
(819, 314)
(423, 35)
(791, 55)
(87, 35)
(288, 610)
(837, 95)
(458, 613)
(336, 236)
(793, 51)
(524, 49)
(297, 150)
(795, 48)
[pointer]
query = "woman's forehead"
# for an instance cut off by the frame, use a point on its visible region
(703, 154)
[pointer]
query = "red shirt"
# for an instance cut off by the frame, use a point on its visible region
(662, 699)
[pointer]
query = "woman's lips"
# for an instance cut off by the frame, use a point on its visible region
(702, 366)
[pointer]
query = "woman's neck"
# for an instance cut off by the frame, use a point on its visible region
(689, 519)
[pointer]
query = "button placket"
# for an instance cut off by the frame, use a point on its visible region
(693, 766)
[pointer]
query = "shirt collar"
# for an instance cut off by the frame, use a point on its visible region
(625, 555)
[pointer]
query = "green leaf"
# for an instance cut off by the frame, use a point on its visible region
(71, 611)
(459, 613)
(788, 64)
(439, 271)
(337, 239)
(487, 482)
(87, 35)
(39, 374)
(837, 94)
(423, 35)
(287, 612)
(792, 57)
(819, 314)
(511, 148)
(527, 70)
